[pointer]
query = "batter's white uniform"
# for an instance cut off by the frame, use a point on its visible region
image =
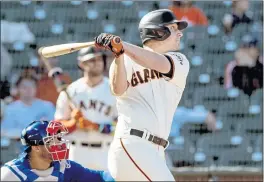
(97, 105)
(149, 103)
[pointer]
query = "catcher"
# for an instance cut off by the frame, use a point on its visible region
(93, 120)
(45, 157)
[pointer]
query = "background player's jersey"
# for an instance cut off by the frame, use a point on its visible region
(97, 103)
(151, 98)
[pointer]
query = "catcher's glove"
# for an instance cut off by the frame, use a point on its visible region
(110, 42)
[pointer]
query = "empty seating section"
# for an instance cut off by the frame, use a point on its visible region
(240, 138)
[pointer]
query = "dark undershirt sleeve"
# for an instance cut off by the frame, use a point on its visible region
(170, 73)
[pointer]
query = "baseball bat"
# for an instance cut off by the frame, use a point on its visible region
(62, 49)
(54, 74)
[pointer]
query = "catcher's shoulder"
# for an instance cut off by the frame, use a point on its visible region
(74, 166)
(7, 174)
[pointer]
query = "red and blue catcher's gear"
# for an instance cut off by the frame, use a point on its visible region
(50, 134)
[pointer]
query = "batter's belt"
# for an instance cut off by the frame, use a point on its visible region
(154, 139)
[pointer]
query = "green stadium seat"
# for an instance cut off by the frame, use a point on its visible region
(178, 154)
(237, 157)
(233, 107)
(256, 97)
(252, 125)
(215, 144)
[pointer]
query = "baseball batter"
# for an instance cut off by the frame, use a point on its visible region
(148, 83)
(96, 111)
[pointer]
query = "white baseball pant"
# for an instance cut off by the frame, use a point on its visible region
(88, 156)
(136, 159)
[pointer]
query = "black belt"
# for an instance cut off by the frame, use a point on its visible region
(93, 145)
(152, 138)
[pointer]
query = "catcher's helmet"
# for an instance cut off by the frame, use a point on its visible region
(152, 25)
(48, 134)
(88, 53)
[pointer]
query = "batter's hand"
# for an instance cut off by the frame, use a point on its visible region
(110, 42)
(83, 123)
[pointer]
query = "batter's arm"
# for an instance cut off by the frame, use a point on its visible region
(147, 58)
(118, 76)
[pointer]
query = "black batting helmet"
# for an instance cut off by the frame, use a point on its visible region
(152, 25)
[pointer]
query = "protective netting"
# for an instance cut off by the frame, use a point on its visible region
(210, 49)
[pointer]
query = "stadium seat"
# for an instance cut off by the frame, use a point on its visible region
(180, 150)
(237, 157)
(193, 36)
(10, 149)
(240, 30)
(256, 97)
(258, 145)
(252, 124)
(192, 131)
(40, 29)
(181, 158)
(232, 107)
(210, 96)
(215, 144)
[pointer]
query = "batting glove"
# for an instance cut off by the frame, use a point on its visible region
(110, 42)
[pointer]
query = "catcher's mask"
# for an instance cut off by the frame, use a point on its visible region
(50, 134)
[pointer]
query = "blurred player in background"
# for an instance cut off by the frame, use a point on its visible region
(46, 157)
(91, 94)
(26, 108)
(149, 83)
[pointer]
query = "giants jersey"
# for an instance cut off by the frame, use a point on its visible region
(96, 103)
(151, 98)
